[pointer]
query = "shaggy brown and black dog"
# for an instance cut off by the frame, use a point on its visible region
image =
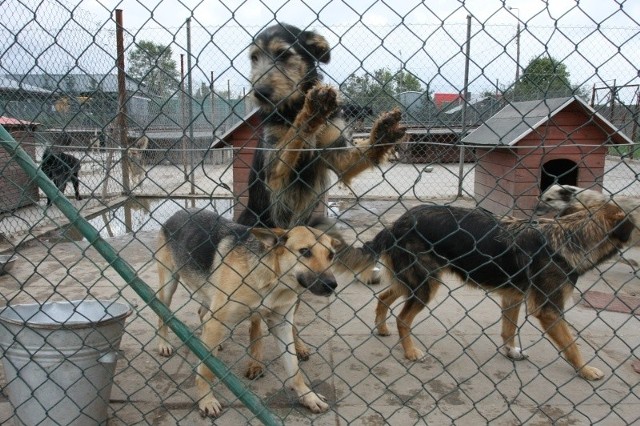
(522, 261)
(304, 135)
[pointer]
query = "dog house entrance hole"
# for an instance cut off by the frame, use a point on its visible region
(564, 172)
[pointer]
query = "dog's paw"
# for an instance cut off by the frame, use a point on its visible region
(383, 330)
(322, 100)
(414, 354)
(165, 349)
(302, 351)
(314, 402)
(515, 353)
(255, 370)
(590, 373)
(387, 128)
(209, 406)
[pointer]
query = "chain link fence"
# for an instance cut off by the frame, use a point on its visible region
(500, 101)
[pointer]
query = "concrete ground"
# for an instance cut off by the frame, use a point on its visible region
(462, 380)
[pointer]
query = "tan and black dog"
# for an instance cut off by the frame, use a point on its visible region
(522, 261)
(236, 272)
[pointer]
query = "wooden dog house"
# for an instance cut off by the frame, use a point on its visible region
(528, 146)
(17, 189)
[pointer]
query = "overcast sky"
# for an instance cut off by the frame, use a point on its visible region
(426, 38)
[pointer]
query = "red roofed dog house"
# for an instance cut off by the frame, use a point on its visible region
(528, 146)
(244, 137)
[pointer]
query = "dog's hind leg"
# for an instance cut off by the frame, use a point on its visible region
(556, 327)
(168, 284)
(423, 287)
(385, 300)
(412, 307)
(511, 303)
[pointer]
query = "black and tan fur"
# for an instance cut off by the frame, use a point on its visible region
(237, 272)
(304, 135)
(534, 262)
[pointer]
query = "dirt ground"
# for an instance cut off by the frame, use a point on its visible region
(463, 379)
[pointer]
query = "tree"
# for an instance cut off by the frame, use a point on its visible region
(151, 64)
(379, 90)
(543, 77)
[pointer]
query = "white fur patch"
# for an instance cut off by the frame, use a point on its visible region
(515, 353)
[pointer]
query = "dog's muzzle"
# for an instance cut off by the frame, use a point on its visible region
(320, 284)
(541, 209)
(263, 93)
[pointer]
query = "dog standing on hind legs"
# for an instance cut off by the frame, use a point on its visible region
(237, 272)
(304, 135)
(304, 139)
(534, 262)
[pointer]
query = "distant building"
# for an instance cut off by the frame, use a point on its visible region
(86, 100)
(24, 101)
(442, 100)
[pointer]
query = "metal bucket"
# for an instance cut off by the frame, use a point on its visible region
(59, 359)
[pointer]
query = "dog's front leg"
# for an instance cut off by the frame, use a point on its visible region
(282, 329)
(212, 334)
(386, 132)
(319, 103)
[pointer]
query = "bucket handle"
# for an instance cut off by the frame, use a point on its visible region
(111, 357)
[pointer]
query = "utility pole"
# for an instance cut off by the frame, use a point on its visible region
(517, 43)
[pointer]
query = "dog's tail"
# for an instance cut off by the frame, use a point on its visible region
(360, 261)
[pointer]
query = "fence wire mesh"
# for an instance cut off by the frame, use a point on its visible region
(501, 102)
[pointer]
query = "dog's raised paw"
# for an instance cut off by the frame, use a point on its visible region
(322, 100)
(387, 128)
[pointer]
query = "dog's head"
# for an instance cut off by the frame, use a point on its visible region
(304, 253)
(138, 146)
(284, 65)
(556, 198)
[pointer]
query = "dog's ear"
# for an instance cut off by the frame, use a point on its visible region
(316, 45)
(270, 237)
(142, 142)
(567, 193)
